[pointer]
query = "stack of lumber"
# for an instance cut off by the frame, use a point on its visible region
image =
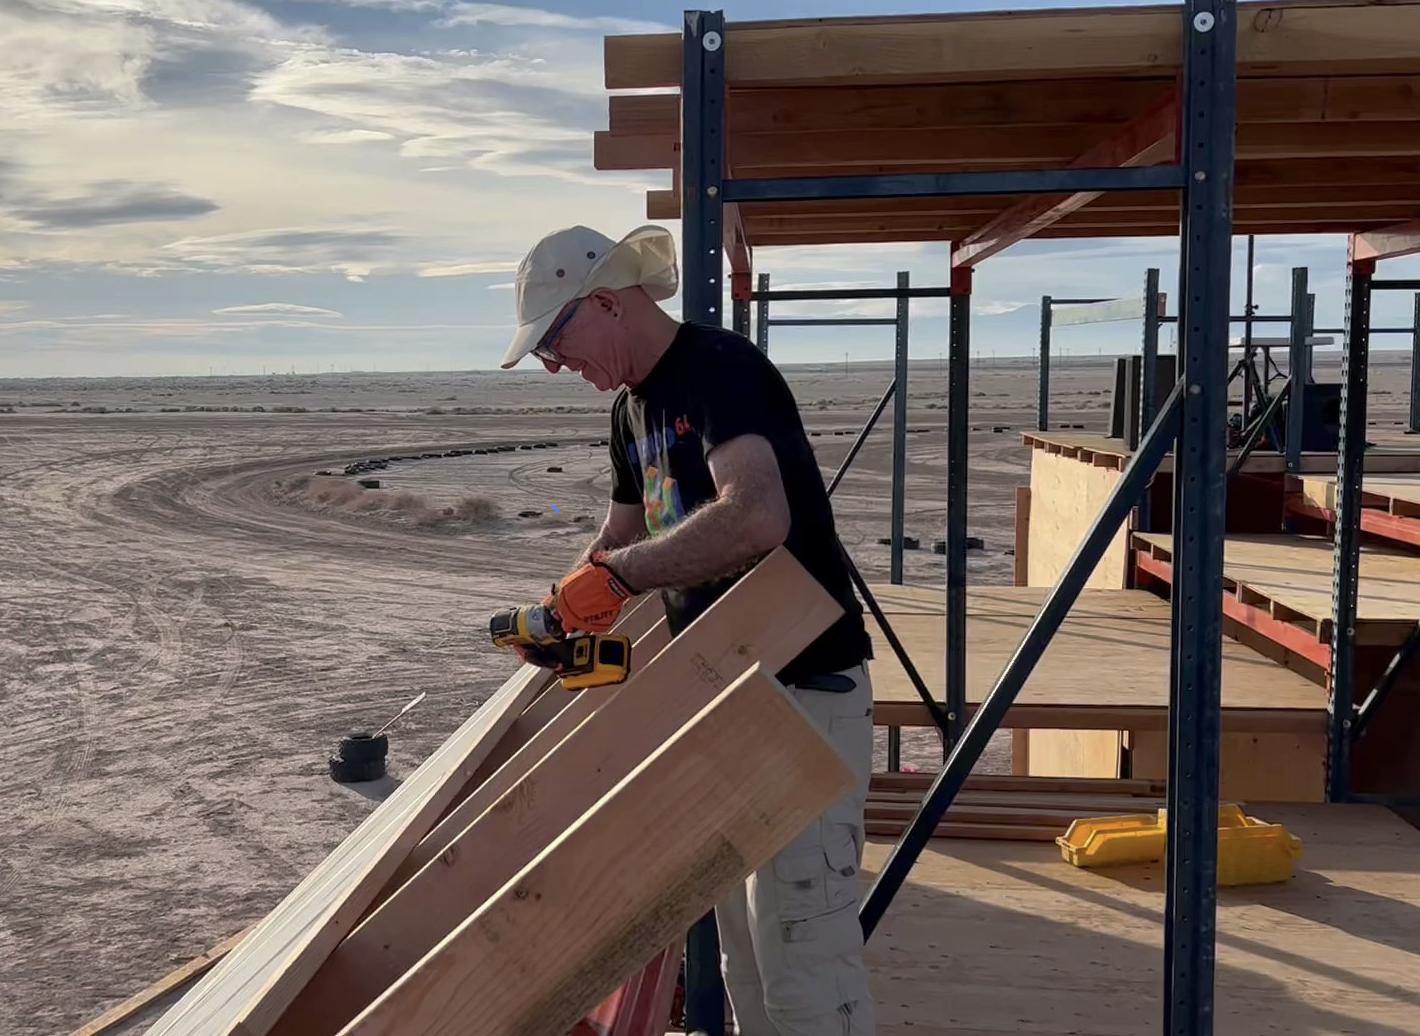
(502, 888)
(1019, 809)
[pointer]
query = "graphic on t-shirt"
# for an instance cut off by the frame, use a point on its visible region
(662, 499)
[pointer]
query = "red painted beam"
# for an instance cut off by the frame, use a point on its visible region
(1147, 140)
(1254, 618)
(736, 243)
(1386, 243)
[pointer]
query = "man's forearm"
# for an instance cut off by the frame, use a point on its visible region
(713, 542)
(605, 540)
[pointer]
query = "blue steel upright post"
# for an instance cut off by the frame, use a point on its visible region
(958, 427)
(899, 430)
(1350, 461)
(1298, 368)
(702, 166)
(761, 316)
(702, 123)
(1042, 405)
(1209, 116)
(1414, 425)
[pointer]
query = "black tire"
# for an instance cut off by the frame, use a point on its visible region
(359, 748)
(343, 771)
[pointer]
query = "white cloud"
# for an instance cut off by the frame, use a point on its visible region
(532, 17)
(352, 136)
(467, 269)
(503, 286)
(6, 308)
(998, 308)
(287, 308)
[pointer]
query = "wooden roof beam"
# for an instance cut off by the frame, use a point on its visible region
(1147, 140)
(1276, 38)
(1387, 243)
(1078, 101)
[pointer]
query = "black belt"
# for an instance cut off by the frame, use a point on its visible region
(833, 683)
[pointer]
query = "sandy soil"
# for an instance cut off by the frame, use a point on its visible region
(183, 640)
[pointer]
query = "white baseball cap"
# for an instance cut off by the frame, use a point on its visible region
(569, 264)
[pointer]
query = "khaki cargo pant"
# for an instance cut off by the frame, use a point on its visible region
(791, 945)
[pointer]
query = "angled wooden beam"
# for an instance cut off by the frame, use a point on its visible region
(737, 249)
(1145, 141)
(732, 787)
(1387, 243)
(772, 614)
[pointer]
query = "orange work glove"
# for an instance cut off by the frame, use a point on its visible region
(591, 598)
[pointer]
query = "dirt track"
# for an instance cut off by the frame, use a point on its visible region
(181, 649)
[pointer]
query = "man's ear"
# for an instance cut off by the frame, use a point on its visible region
(606, 300)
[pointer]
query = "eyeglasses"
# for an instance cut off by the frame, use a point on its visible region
(546, 348)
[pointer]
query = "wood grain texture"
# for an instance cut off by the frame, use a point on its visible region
(1109, 658)
(1276, 39)
(1065, 498)
(249, 989)
(1259, 767)
(771, 615)
(735, 785)
(780, 565)
(1334, 950)
(1386, 456)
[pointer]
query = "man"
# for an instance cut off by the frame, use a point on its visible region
(711, 470)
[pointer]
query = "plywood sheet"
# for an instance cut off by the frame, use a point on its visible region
(1295, 572)
(1388, 455)
(1065, 498)
(1071, 753)
(1107, 667)
(1258, 767)
(734, 786)
(1334, 950)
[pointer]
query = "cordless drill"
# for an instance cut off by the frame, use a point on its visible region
(583, 660)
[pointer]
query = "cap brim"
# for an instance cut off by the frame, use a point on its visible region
(526, 338)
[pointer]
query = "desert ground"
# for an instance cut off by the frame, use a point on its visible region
(192, 617)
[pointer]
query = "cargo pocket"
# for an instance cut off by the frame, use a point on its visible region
(819, 900)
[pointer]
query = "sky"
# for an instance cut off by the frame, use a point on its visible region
(229, 186)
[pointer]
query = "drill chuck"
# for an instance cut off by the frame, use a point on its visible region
(532, 625)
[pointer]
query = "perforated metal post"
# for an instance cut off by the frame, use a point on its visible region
(1042, 406)
(1208, 115)
(761, 316)
(702, 270)
(899, 432)
(1298, 369)
(702, 166)
(1350, 461)
(1415, 367)
(958, 428)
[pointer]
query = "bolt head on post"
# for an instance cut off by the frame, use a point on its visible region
(712, 40)
(1204, 21)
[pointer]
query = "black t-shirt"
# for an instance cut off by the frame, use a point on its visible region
(712, 386)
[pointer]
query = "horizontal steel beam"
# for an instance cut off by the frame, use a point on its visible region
(1408, 284)
(847, 294)
(828, 321)
(928, 185)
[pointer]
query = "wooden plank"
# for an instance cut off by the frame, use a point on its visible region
(734, 786)
(985, 782)
(175, 979)
(1275, 39)
(1099, 102)
(1147, 140)
(771, 615)
(250, 988)
(950, 829)
(778, 569)
(1401, 239)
